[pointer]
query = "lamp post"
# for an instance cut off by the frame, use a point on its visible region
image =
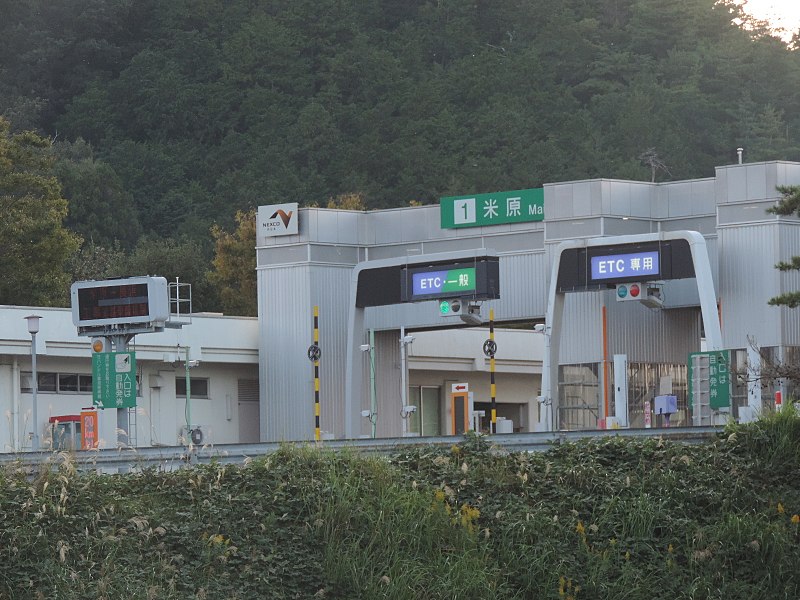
(33, 329)
(546, 399)
(405, 411)
(372, 413)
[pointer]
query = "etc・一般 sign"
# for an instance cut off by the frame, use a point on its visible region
(438, 283)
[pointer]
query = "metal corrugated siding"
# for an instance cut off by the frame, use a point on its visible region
(747, 280)
(789, 281)
(581, 333)
(523, 286)
(285, 332)
(387, 368)
(651, 335)
(330, 287)
(643, 334)
(286, 315)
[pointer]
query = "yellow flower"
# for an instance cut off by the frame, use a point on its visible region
(670, 549)
(781, 510)
(796, 519)
(580, 529)
(627, 556)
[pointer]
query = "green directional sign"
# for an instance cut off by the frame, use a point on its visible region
(480, 210)
(114, 379)
(710, 378)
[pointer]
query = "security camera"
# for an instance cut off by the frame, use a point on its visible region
(471, 314)
(364, 347)
(407, 410)
(539, 327)
(366, 414)
(408, 339)
(194, 363)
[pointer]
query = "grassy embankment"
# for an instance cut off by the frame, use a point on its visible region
(604, 519)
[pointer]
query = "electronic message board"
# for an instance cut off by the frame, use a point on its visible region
(133, 300)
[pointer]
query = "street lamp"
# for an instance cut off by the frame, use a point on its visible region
(33, 329)
(372, 413)
(546, 398)
(405, 340)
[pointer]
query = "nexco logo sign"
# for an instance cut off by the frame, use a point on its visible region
(277, 219)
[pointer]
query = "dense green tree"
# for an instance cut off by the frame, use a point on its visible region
(34, 243)
(97, 262)
(234, 273)
(100, 209)
(789, 204)
(197, 109)
(179, 260)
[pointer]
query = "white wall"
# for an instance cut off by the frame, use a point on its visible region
(227, 348)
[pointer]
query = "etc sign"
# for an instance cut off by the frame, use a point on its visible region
(638, 265)
(443, 282)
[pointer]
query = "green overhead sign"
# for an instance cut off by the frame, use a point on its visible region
(480, 210)
(114, 379)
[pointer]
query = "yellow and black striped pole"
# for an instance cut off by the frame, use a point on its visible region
(316, 374)
(493, 428)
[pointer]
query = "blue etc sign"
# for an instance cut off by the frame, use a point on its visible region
(637, 265)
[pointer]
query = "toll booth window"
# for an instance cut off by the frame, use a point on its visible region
(199, 387)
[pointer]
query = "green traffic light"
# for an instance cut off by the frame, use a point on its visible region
(444, 307)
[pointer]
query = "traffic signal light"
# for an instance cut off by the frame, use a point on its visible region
(629, 291)
(649, 294)
(450, 308)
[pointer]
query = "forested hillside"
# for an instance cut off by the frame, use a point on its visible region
(169, 117)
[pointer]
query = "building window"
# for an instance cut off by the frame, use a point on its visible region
(63, 383)
(199, 387)
(67, 383)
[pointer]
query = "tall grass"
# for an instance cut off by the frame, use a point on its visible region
(610, 518)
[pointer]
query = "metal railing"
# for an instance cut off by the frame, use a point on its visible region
(167, 458)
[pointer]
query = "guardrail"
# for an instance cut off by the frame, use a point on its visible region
(115, 460)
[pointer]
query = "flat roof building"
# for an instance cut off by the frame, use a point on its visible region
(346, 263)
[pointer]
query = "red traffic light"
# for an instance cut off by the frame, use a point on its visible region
(634, 290)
